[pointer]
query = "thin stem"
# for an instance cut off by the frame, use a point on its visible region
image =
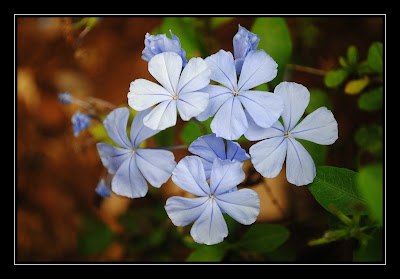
(182, 146)
(102, 102)
(306, 69)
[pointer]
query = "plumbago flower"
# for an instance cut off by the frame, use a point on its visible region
(244, 41)
(181, 89)
(80, 121)
(279, 141)
(209, 147)
(212, 200)
(155, 44)
(132, 165)
(226, 101)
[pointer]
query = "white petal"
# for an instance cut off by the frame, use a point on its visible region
(144, 94)
(191, 104)
(195, 76)
(319, 126)
(258, 68)
(183, 211)
(300, 167)
(166, 68)
(295, 98)
(223, 69)
(255, 132)
(162, 116)
(268, 156)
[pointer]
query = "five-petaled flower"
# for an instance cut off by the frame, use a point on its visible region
(279, 141)
(132, 165)
(181, 89)
(226, 101)
(209, 147)
(214, 199)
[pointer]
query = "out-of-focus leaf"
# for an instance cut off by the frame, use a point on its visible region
(317, 151)
(369, 138)
(318, 98)
(165, 137)
(375, 57)
(263, 238)
(335, 77)
(355, 86)
(372, 250)
(352, 55)
(99, 133)
(192, 130)
(371, 100)
(370, 184)
(94, 237)
(217, 21)
(208, 253)
(337, 186)
(275, 40)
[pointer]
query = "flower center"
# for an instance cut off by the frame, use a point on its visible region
(211, 196)
(175, 97)
(286, 134)
(235, 93)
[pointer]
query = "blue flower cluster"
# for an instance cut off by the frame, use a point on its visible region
(214, 172)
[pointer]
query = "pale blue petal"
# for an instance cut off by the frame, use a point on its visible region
(296, 98)
(300, 167)
(244, 41)
(235, 152)
(139, 132)
(269, 155)
(195, 76)
(156, 165)
(191, 104)
(258, 68)
(207, 167)
(230, 121)
(115, 125)
(208, 147)
(189, 175)
(128, 181)
(211, 227)
(112, 157)
(162, 116)
(242, 205)
(225, 175)
(217, 96)
(183, 211)
(320, 127)
(166, 68)
(265, 108)
(223, 68)
(144, 94)
(255, 132)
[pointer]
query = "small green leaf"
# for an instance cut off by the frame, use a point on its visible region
(352, 55)
(208, 253)
(335, 77)
(370, 184)
(355, 86)
(275, 39)
(263, 238)
(369, 138)
(375, 57)
(192, 130)
(165, 137)
(371, 100)
(94, 236)
(337, 186)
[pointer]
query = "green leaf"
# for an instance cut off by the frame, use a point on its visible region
(375, 54)
(94, 236)
(192, 130)
(369, 138)
(217, 21)
(165, 137)
(370, 184)
(263, 238)
(208, 253)
(371, 100)
(318, 98)
(275, 40)
(335, 77)
(317, 151)
(352, 55)
(337, 186)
